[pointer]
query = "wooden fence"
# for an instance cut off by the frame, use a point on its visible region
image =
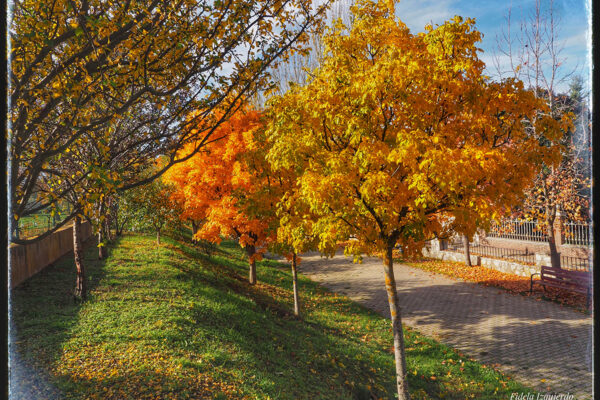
(28, 260)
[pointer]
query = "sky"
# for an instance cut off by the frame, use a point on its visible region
(573, 25)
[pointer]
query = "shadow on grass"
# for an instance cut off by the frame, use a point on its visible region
(43, 311)
(169, 322)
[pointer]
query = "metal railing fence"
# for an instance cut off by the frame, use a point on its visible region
(520, 256)
(579, 234)
(575, 263)
(40, 222)
(518, 229)
(33, 226)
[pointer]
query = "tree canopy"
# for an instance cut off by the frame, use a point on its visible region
(226, 189)
(397, 130)
(82, 70)
(396, 134)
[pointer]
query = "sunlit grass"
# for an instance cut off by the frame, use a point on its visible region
(167, 322)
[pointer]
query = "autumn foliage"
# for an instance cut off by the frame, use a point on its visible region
(224, 188)
(514, 284)
(397, 133)
(395, 138)
(397, 129)
(121, 77)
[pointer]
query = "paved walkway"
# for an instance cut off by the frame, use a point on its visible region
(531, 340)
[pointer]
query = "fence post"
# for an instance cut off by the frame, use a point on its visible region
(558, 229)
(443, 244)
(482, 236)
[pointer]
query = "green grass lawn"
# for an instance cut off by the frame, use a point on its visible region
(167, 322)
(38, 223)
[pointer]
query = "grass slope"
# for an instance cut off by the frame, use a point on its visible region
(167, 322)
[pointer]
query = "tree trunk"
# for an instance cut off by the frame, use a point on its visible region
(158, 236)
(295, 284)
(194, 230)
(106, 225)
(550, 217)
(104, 230)
(251, 250)
(390, 286)
(101, 231)
(80, 286)
(467, 251)
(101, 249)
(554, 256)
(116, 215)
(121, 227)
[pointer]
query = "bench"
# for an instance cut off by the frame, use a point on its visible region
(575, 281)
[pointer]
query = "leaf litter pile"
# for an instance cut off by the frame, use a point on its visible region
(490, 277)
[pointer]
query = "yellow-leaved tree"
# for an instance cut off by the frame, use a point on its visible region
(397, 133)
(293, 222)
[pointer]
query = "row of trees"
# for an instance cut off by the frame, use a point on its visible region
(98, 90)
(393, 140)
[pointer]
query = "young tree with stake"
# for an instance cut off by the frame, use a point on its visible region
(398, 132)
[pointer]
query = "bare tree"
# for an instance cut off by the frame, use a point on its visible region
(296, 69)
(531, 51)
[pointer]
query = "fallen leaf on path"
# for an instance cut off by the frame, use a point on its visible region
(514, 284)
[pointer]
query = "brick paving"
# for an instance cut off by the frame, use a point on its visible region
(541, 344)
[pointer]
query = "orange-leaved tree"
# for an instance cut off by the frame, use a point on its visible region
(222, 188)
(397, 132)
(286, 218)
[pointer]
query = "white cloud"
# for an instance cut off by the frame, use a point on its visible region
(418, 13)
(575, 43)
(493, 62)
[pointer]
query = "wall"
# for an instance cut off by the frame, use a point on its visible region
(509, 267)
(534, 247)
(28, 260)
